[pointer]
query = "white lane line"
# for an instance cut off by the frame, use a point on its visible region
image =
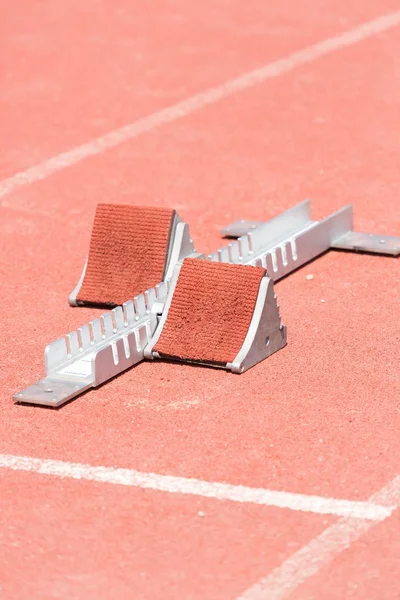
(199, 101)
(197, 487)
(310, 559)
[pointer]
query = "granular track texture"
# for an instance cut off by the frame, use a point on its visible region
(128, 253)
(210, 312)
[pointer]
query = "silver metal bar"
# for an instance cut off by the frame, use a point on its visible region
(288, 241)
(292, 239)
(282, 225)
(96, 352)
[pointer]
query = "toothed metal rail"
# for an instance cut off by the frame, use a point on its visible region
(98, 351)
(292, 239)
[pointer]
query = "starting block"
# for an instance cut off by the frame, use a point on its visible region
(218, 310)
(204, 300)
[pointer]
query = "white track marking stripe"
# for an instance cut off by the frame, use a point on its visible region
(198, 101)
(197, 487)
(311, 558)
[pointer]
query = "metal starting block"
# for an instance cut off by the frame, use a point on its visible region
(217, 310)
(220, 315)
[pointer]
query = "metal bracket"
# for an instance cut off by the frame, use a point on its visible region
(368, 242)
(148, 351)
(266, 334)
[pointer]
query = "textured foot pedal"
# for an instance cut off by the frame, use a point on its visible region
(222, 315)
(132, 248)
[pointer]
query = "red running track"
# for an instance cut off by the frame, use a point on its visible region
(320, 417)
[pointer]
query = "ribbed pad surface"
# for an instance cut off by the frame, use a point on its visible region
(128, 253)
(211, 311)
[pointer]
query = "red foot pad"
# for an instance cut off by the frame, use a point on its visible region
(128, 253)
(210, 312)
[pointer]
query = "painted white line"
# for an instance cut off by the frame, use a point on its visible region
(308, 561)
(197, 487)
(198, 101)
